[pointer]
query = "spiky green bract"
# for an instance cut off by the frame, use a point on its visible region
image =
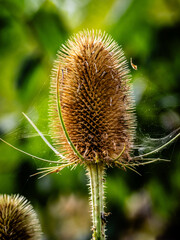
(18, 220)
(95, 96)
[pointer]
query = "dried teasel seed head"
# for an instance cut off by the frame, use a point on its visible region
(17, 219)
(96, 99)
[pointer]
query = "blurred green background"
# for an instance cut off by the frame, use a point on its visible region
(143, 207)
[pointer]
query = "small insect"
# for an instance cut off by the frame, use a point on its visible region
(133, 65)
(104, 217)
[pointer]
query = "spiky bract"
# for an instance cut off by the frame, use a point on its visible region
(95, 96)
(17, 219)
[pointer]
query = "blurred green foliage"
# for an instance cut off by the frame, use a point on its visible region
(31, 32)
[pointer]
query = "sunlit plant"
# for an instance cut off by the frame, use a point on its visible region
(92, 119)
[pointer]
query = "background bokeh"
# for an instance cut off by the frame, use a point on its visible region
(145, 207)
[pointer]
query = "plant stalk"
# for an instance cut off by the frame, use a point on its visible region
(96, 178)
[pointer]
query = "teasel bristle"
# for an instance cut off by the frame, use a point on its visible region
(96, 100)
(18, 220)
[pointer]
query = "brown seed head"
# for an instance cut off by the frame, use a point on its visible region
(95, 96)
(17, 219)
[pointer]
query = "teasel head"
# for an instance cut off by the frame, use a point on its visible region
(91, 112)
(91, 86)
(18, 220)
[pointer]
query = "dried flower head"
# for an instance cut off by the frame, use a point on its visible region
(92, 78)
(92, 122)
(17, 219)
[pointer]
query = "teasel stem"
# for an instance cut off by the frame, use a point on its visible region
(96, 182)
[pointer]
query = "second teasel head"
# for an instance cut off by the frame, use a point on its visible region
(95, 94)
(18, 219)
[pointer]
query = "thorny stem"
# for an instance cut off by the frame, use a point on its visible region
(96, 178)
